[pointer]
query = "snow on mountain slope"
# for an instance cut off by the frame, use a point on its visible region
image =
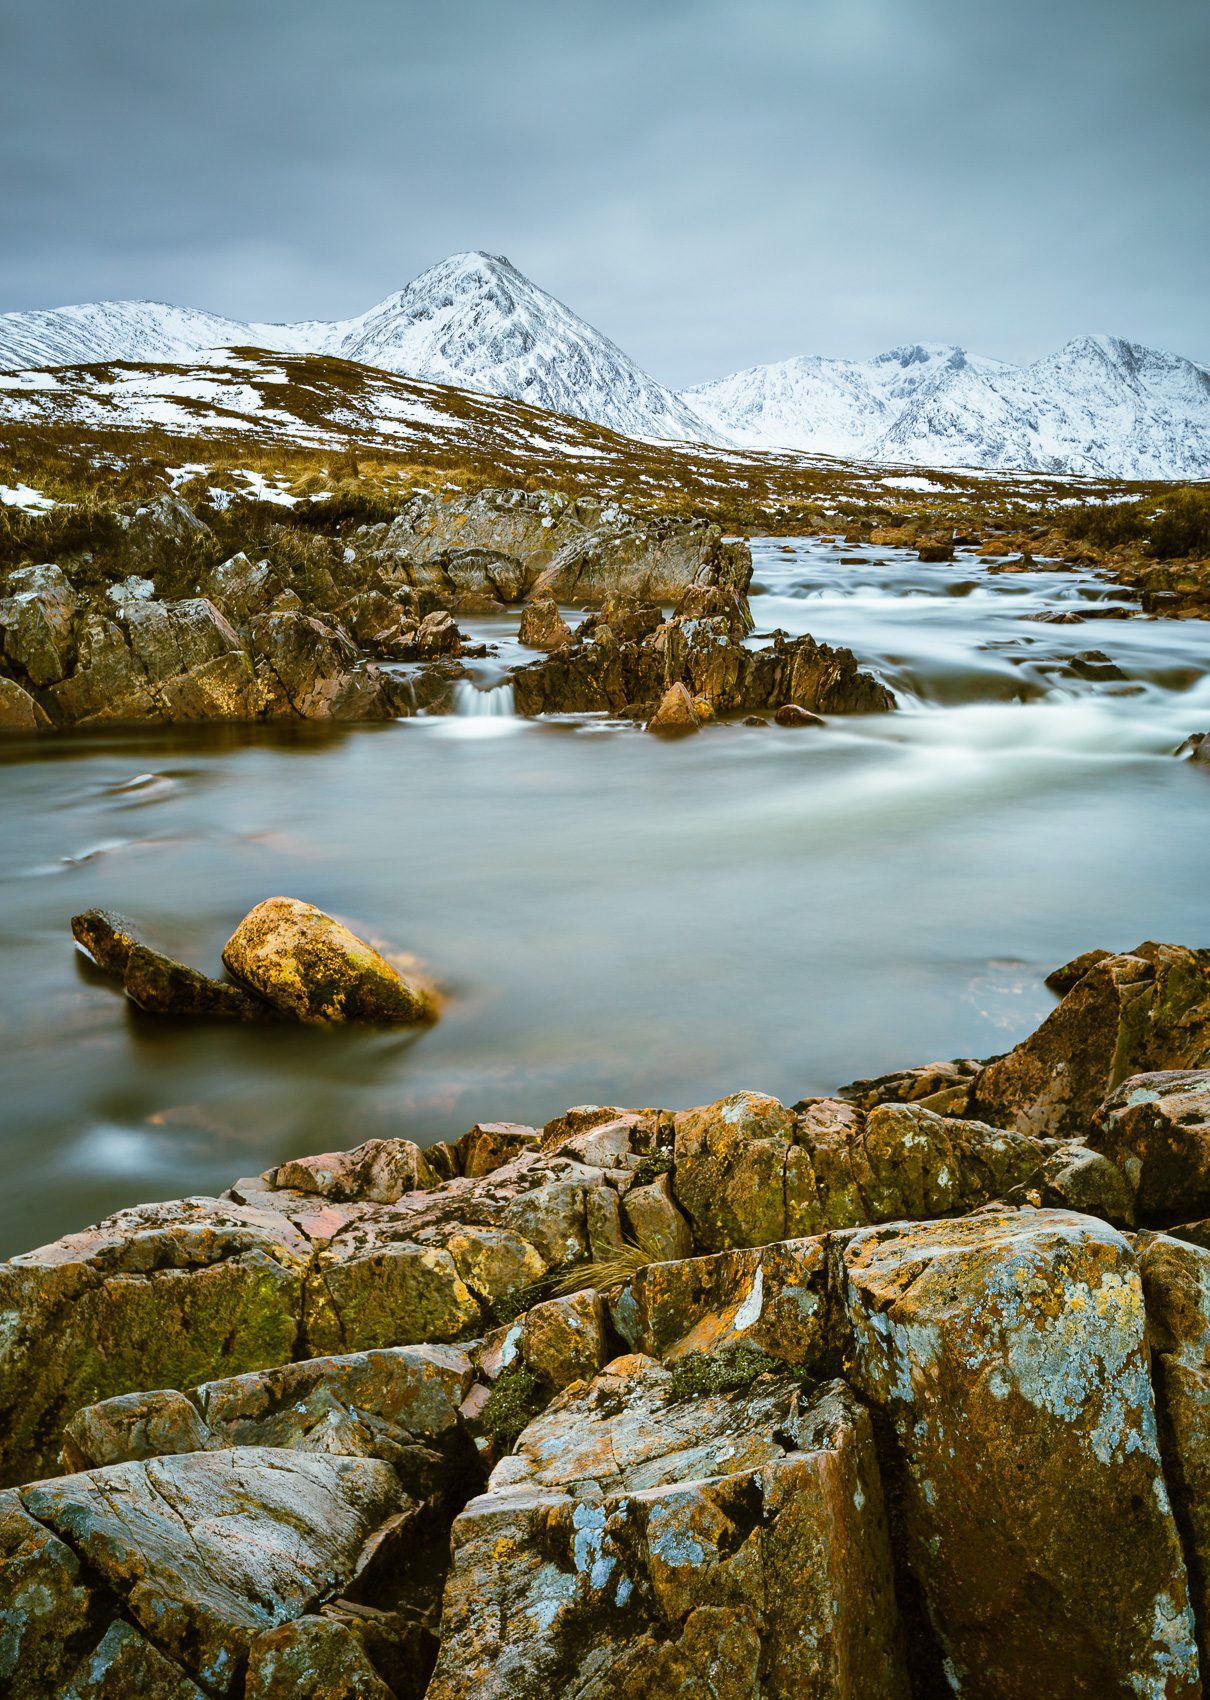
(1099, 405)
(474, 321)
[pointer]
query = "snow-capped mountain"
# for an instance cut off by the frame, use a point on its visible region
(474, 320)
(1100, 405)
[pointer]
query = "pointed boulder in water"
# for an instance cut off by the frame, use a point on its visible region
(676, 713)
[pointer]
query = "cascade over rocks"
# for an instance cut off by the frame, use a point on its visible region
(857, 1397)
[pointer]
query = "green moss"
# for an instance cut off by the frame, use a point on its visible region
(514, 1401)
(653, 1166)
(721, 1372)
(507, 1308)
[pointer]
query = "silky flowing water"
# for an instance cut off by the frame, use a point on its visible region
(616, 919)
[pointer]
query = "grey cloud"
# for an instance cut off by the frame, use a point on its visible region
(711, 182)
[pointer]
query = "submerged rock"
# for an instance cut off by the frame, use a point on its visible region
(1196, 748)
(158, 985)
(20, 712)
(311, 967)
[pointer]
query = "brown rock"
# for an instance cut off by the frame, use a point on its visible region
(542, 625)
(1063, 979)
(1008, 1352)
(381, 1171)
(107, 936)
(1131, 1014)
(308, 965)
(18, 710)
(789, 714)
(635, 1546)
(210, 1549)
(312, 1658)
(675, 713)
(160, 986)
(563, 1339)
(1156, 1129)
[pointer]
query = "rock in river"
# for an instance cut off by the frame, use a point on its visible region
(308, 965)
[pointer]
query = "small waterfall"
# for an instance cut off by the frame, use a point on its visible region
(495, 703)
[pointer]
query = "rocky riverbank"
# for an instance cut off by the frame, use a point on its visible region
(900, 1392)
(151, 625)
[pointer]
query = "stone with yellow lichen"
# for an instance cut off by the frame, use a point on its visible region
(310, 966)
(638, 1544)
(1008, 1351)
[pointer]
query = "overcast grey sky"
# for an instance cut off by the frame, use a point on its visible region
(711, 182)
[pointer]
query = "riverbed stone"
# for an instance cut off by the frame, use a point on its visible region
(160, 1295)
(124, 1664)
(107, 936)
(310, 966)
(1137, 1013)
(542, 625)
(209, 1549)
(1008, 1352)
(729, 1160)
(636, 1545)
(675, 713)
(312, 671)
(20, 712)
(1156, 1130)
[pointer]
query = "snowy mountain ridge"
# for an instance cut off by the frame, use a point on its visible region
(1098, 406)
(474, 320)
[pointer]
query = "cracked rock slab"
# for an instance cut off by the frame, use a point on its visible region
(633, 1546)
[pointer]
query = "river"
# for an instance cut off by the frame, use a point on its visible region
(616, 919)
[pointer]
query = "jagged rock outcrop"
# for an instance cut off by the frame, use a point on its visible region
(639, 1544)
(885, 1422)
(1145, 1010)
(631, 659)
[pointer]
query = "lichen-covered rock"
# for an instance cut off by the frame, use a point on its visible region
(311, 1658)
(107, 936)
(158, 985)
(775, 1299)
(563, 1339)
(380, 1171)
(1156, 1129)
(1176, 1288)
(374, 1291)
(1062, 980)
(654, 1222)
(124, 1663)
(1137, 1013)
(399, 1404)
(489, 1145)
(164, 1295)
(309, 966)
(748, 1171)
(635, 1546)
(243, 588)
(157, 534)
(49, 1613)
(1008, 1352)
(933, 1084)
(207, 1550)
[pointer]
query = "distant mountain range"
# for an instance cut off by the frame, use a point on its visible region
(1099, 406)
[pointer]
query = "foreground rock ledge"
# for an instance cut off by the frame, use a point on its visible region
(864, 1396)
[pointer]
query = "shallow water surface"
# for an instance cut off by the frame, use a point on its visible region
(616, 918)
